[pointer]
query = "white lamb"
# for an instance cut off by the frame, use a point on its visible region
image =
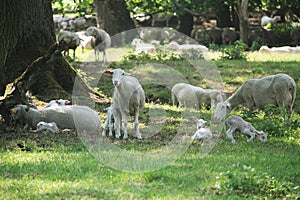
(108, 122)
(128, 100)
(142, 47)
(283, 49)
(237, 123)
(85, 41)
(279, 90)
(266, 20)
(192, 96)
(185, 47)
(202, 133)
(65, 117)
(101, 42)
(50, 126)
(58, 102)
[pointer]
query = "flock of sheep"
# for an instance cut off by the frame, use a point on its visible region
(129, 99)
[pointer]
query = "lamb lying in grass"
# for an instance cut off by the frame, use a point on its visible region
(202, 133)
(237, 123)
(51, 126)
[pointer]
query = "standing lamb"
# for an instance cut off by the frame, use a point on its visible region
(279, 89)
(266, 20)
(202, 133)
(70, 117)
(128, 100)
(193, 97)
(101, 41)
(70, 40)
(108, 122)
(237, 123)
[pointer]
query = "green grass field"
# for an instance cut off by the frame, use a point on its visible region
(59, 166)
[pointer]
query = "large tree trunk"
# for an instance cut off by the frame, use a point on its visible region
(223, 16)
(27, 33)
(113, 16)
(242, 10)
(186, 23)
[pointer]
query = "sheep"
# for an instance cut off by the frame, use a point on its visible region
(51, 126)
(101, 41)
(283, 49)
(143, 47)
(65, 117)
(85, 41)
(266, 20)
(202, 133)
(108, 122)
(279, 89)
(59, 102)
(229, 36)
(192, 96)
(128, 100)
(237, 123)
(77, 23)
(185, 47)
(70, 40)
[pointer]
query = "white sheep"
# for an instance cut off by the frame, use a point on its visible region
(101, 42)
(70, 40)
(142, 47)
(128, 100)
(57, 102)
(283, 49)
(237, 123)
(266, 20)
(202, 133)
(108, 122)
(193, 96)
(85, 41)
(186, 47)
(279, 89)
(65, 117)
(50, 126)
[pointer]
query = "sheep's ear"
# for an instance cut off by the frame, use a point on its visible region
(228, 106)
(13, 111)
(126, 74)
(108, 72)
(27, 108)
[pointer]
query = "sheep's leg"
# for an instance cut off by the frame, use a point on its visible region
(117, 124)
(250, 133)
(136, 125)
(125, 126)
(104, 56)
(229, 134)
(110, 125)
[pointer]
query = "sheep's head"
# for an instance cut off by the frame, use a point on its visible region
(201, 123)
(261, 136)
(222, 110)
(16, 112)
(117, 74)
(91, 31)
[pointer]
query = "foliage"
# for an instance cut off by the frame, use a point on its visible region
(246, 182)
(282, 33)
(69, 6)
(235, 52)
(257, 43)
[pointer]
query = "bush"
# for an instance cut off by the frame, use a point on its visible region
(235, 52)
(282, 33)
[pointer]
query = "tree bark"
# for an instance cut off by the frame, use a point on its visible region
(223, 17)
(242, 10)
(186, 23)
(113, 16)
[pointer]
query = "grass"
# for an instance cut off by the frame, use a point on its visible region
(59, 166)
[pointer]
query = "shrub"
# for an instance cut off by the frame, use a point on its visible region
(235, 52)
(282, 33)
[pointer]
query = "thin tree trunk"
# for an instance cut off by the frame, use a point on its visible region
(242, 10)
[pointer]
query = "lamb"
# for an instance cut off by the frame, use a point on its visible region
(283, 49)
(186, 47)
(143, 47)
(202, 133)
(128, 100)
(51, 126)
(193, 97)
(65, 117)
(59, 102)
(85, 41)
(266, 20)
(108, 121)
(70, 40)
(237, 123)
(101, 41)
(279, 89)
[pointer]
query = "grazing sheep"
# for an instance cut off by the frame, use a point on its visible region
(237, 123)
(71, 41)
(192, 96)
(77, 23)
(229, 36)
(186, 47)
(101, 41)
(51, 126)
(59, 102)
(128, 100)
(279, 89)
(283, 49)
(202, 133)
(143, 47)
(70, 117)
(266, 20)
